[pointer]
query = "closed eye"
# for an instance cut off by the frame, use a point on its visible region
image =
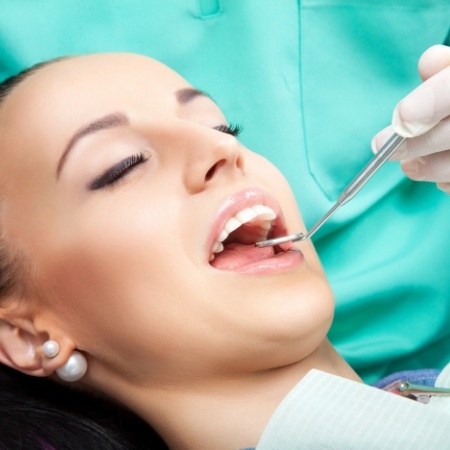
(124, 167)
(232, 129)
(118, 171)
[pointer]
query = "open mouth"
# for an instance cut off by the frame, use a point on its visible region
(234, 249)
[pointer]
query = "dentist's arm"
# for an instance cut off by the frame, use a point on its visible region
(424, 116)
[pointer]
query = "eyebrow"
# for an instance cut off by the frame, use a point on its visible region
(186, 95)
(118, 119)
(104, 123)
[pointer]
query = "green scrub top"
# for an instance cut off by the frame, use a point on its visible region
(311, 81)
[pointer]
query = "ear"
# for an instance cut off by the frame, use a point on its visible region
(21, 344)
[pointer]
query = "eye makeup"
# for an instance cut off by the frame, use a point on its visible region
(118, 171)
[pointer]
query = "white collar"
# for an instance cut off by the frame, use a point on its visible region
(325, 411)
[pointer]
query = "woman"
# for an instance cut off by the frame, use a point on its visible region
(129, 212)
(314, 81)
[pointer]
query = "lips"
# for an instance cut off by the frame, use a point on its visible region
(245, 218)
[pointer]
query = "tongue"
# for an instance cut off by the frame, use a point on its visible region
(236, 256)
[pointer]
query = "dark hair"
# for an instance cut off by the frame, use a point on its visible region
(38, 414)
(7, 85)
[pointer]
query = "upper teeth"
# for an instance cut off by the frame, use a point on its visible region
(265, 214)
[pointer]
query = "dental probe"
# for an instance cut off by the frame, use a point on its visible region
(388, 149)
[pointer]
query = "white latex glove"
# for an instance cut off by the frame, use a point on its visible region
(424, 116)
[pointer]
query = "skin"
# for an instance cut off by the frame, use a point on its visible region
(121, 273)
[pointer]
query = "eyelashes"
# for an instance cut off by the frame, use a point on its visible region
(118, 171)
(233, 129)
(126, 166)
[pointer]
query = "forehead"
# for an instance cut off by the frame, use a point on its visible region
(91, 83)
(44, 110)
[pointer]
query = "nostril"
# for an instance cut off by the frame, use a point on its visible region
(210, 173)
(212, 170)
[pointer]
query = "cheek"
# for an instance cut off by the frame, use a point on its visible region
(126, 289)
(120, 304)
(99, 263)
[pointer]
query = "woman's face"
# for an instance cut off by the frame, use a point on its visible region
(118, 180)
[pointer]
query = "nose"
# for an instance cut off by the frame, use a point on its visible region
(211, 157)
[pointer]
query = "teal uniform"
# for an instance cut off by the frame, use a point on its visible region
(311, 81)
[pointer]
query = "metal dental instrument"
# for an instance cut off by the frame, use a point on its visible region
(349, 192)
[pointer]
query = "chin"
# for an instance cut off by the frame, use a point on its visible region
(300, 315)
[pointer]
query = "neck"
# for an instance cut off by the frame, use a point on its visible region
(225, 413)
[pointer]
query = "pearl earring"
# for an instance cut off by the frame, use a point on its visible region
(50, 348)
(74, 369)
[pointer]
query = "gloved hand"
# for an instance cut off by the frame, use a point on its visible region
(424, 116)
